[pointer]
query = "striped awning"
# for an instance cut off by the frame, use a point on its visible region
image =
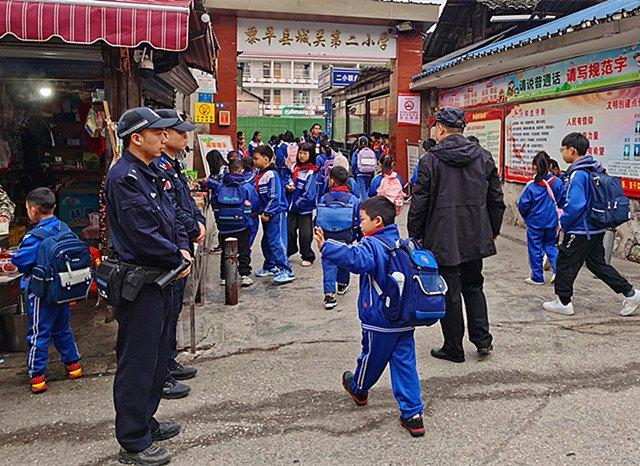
(164, 24)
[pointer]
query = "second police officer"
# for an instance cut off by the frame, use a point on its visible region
(149, 241)
(187, 213)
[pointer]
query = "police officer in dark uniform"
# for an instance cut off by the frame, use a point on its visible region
(147, 237)
(187, 213)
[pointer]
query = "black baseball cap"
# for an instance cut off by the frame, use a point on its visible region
(179, 124)
(452, 117)
(138, 119)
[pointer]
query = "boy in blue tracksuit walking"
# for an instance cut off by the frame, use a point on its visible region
(303, 189)
(538, 206)
(235, 219)
(46, 321)
(382, 342)
(272, 207)
(582, 242)
(336, 278)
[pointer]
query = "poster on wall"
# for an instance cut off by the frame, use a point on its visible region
(487, 127)
(610, 120)
(209, 142)
(491, 92)
(408, 109)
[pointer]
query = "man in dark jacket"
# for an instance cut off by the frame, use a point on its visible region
(456, 211)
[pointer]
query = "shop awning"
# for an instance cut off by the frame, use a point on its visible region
(201, 52)
(164, 24)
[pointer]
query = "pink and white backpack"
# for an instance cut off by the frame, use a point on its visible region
(391, 188)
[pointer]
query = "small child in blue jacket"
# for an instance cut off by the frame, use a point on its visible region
(582, 241)
(46, 321)
(272, 208)
(303, 189)
(235, 219)
(336, 278)
(249, 175)
(538, 206)
(382, 341)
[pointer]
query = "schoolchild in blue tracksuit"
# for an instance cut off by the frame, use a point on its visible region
(538, 207)
(46, 321)
(241, 230)
(334, 278)
(363, 179)
(249, 175)
(582, 240)
(375, 183)
(280, 150)
(383, 342)
(303, 197)
(256, 141)
(326, 186)
(272, 208)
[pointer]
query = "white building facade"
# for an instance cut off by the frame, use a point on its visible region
(281, 61)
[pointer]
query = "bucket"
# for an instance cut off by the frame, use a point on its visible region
(14, 326)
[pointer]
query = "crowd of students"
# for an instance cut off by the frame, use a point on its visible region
(289, 186)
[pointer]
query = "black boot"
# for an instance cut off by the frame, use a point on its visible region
(180, 372)
(166, 430)
(442, 354)
(173, 390)
(153, 455)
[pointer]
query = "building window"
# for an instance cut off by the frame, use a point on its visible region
(300, 97)
(302, 70)
(246, 69)
(266, 70)
(277, 97)
(266, 95)
(277, 70)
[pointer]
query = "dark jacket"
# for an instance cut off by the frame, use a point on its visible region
(457, 204)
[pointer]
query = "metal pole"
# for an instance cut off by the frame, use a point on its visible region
(231, 258)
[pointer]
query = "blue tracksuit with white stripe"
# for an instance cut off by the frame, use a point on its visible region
(273, 202)
(250, 177)
(382, 341)
(46, 321)
(539, 213)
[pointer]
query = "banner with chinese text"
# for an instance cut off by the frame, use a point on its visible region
(487, 127)
(587, 72)
(260, 37)
(610, 120)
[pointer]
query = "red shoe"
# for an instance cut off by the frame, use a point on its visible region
(74, 371)
(38, 384)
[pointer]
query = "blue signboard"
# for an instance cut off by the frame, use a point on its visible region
(205, 97)
(344, 76)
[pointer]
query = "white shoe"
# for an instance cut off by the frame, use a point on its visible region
(223, 282)
(559, 308)
(247, 281)
(306, 264)
(631, 304)
(553, 278)
(530, 281)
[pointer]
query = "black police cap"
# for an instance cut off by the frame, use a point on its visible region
(452, 117)
(138, 119)
(178, 123)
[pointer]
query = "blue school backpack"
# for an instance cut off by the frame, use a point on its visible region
(334, 216)
(414, 294)
(608, 206)
(229, 208)
(62, 273)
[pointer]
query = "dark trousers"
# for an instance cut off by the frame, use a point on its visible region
(576, 250)
(142, 352)
(178, 288)
(465, 281)
(244, 251)
(304, 225)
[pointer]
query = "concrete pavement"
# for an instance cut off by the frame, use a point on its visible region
(557, 390)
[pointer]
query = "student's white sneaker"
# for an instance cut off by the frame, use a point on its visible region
(631, 304)
(306, 263)
(246, 281)
(553, 278)
(530, 281)
(559, 308)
